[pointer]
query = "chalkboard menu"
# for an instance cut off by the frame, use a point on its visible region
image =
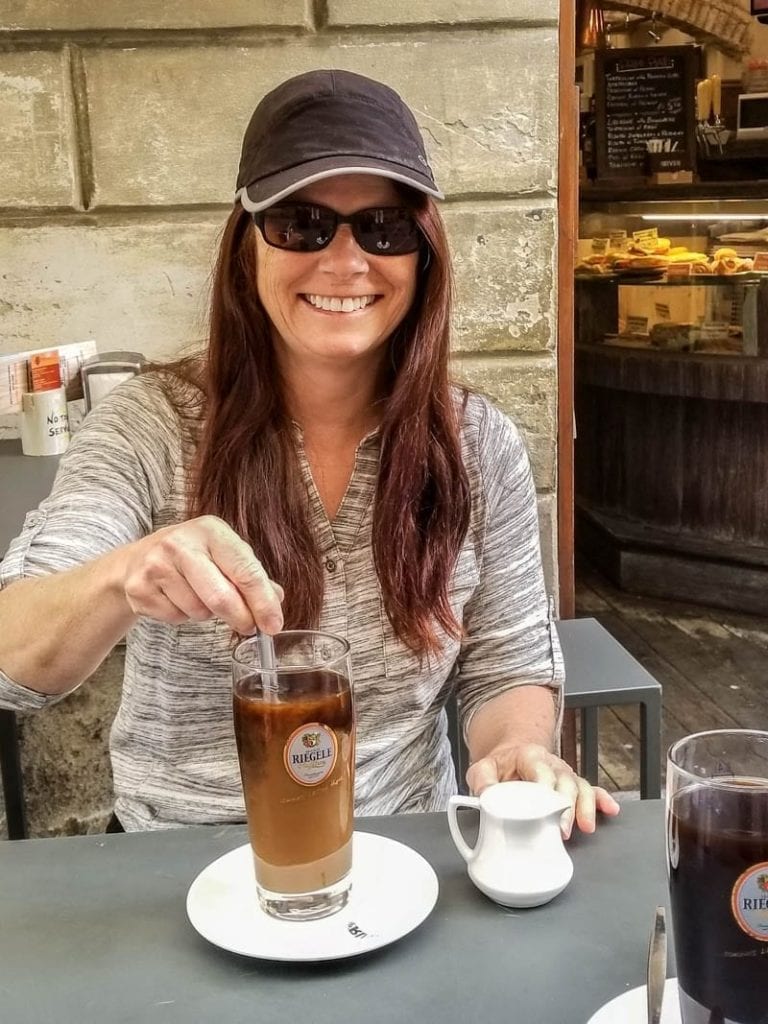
(645, 95)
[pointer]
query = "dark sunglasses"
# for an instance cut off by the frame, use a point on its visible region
(306, 227)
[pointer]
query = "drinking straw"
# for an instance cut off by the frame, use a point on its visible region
(268, 665)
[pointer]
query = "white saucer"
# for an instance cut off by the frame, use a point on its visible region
(631, 1007)
(393, 890)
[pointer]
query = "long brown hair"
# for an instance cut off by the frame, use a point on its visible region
(247, 470)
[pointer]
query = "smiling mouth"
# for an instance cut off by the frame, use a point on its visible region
(340, 304)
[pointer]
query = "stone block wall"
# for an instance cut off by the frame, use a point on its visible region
(120, 128)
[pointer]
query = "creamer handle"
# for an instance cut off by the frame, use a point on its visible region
(466, 851)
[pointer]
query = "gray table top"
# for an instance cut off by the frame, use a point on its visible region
(94, 929)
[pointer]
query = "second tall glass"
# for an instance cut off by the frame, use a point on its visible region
(717, 849)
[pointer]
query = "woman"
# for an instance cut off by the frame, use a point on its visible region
(313, 468)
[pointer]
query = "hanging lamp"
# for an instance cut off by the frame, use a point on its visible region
(590, 25)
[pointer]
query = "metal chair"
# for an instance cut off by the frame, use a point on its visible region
(10, 770)
(598, 672)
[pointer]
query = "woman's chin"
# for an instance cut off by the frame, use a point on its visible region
(340, 350)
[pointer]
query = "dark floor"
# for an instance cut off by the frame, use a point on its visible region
(712, 665)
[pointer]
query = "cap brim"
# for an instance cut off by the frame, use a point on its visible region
(267, 191)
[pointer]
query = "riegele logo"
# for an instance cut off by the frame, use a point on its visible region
(749, 902)
(310, 753)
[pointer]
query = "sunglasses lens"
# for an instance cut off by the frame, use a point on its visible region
(299, 227)
(302, 227)
(386, 231)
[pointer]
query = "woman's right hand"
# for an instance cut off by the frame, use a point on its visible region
(201, 569)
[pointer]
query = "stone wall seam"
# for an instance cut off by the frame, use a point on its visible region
(501, 24)
(105, 216)
(407, 35)
(406, 12)
(262, 36)
(538, 359)
(489, 202)
(10, 215)
(320, 14)
(82, 147)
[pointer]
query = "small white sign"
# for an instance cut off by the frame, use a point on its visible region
(637, 325)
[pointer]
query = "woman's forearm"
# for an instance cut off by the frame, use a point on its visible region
(523, 715)
(56, 630)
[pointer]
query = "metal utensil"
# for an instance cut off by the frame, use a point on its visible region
(657, 966)
(268, 660)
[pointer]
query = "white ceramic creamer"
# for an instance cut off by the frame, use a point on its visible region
(519, 859)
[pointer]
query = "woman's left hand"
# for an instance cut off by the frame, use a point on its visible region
(533, 763)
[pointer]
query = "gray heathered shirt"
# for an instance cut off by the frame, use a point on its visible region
(172, 742)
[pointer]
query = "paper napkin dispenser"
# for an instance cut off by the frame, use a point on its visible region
(102, 372)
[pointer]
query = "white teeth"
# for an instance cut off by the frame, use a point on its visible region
(335, 304)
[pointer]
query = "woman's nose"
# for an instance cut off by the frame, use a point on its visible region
(343, 256)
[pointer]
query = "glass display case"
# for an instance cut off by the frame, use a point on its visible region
(689, 277)
(671, 398)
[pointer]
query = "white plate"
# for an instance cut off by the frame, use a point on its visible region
(631, 1007)
(393, 890)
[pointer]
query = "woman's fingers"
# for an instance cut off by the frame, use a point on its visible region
(482, 774)
(215, 592)
(606, 803)
(567, 784)
(185, 596)
(200, 570)
(156, 606)
(237, 562)
(534, 763)
(585, 805)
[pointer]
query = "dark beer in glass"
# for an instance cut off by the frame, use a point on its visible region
(717, 856)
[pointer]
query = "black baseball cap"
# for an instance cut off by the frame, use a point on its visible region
(324, 123)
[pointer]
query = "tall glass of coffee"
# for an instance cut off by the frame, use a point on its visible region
(717, 857)
(295, 731)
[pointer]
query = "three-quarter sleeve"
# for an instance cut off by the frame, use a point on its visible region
(111, 481)
(510, 638)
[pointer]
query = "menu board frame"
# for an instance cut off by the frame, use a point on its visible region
(690, 59)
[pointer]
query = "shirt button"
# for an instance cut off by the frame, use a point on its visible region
(330, 565)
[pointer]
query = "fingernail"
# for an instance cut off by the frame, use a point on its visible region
(273, 624)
